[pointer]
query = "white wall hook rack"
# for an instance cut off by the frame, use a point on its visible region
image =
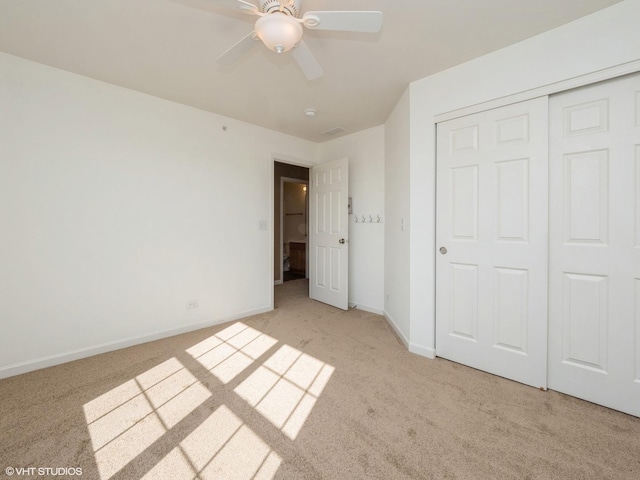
(371, 218)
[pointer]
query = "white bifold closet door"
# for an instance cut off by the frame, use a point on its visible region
(492, 231)
(594, 244)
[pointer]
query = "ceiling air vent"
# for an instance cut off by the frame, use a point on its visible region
(334, 131)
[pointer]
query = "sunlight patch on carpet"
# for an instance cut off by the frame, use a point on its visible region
(230, 351)
(221, 447)
(125, 421)
(133, 417)
(285, 388)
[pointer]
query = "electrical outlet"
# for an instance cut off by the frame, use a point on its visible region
(192, 304)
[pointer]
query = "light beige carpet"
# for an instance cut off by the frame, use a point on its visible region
(305, 391)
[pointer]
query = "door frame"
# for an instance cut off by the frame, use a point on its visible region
(548, 89)
(284, 180)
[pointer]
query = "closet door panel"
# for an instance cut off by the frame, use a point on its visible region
(491, 263)
(594, 263)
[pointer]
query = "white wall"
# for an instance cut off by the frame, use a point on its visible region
(605, 39)
(365, 151)
(396, 251)
(115, 211)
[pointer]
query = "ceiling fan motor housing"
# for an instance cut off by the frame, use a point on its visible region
(291, 8)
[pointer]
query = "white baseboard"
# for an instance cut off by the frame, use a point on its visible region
(396, 329)
(52, 360)
(366, 308)
(422, 350)
(411, 346)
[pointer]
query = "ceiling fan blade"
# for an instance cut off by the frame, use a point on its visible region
(370, 22)
(238, 50)
(306, 61)
(248, 7)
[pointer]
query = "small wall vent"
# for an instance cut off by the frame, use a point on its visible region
(334, 131)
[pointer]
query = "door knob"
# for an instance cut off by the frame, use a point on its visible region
(443, 250)
(341, 240)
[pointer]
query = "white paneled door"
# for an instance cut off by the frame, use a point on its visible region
(594, 244)
(492, 225)
(329, 233)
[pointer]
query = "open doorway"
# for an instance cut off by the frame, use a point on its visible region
(294, 225)
(291, 224)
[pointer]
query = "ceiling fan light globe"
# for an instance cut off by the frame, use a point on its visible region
(278, 31)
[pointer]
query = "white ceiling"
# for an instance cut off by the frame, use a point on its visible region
(168, 48)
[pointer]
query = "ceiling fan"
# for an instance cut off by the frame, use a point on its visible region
(279, 26)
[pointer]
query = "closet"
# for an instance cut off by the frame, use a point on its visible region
(538, 242)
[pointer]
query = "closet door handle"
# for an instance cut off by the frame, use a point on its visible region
(342, 240)
(443, 250)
